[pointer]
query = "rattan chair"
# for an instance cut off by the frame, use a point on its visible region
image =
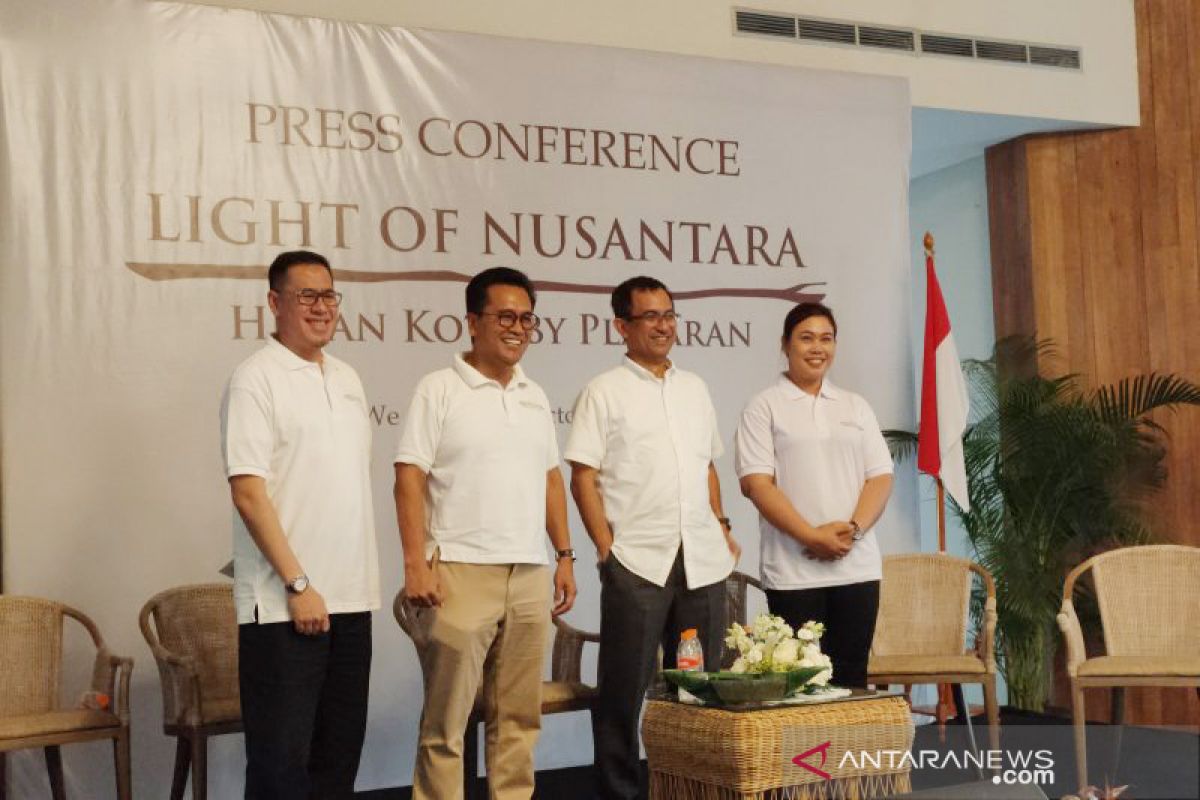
(31, 713)
(1149, 604)
(194, 641)
(924, 605)
(565, 691)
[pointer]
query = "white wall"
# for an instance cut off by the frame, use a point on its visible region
(1103, 91)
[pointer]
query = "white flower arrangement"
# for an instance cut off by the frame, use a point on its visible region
(769, 645)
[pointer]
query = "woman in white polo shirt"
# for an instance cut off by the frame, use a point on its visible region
(811, 458)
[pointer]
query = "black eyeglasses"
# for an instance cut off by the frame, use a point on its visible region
(309, 297)
(508, 319)
(652, 317)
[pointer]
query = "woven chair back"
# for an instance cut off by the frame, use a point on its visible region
(1149, 600)
(199, 622)
(735, 597)
(924, 601)
(30, 655)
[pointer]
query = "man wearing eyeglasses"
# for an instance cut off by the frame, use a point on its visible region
(642, 446)
(477, 486)
(296, 440)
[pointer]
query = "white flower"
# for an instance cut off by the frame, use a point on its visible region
(739, 666)
(785, 654)
(806, 635)
(821, 678)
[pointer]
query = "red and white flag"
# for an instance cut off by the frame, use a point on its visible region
(944, 401)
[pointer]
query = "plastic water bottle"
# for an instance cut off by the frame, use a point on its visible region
(689, 656)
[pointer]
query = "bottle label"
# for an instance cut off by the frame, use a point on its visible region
(688, 662)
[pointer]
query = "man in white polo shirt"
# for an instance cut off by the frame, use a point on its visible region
(297, 442)
(642, 446)
(477, 484)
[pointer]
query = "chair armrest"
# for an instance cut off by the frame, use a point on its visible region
(987, 650)
(180, 686)
(567, 655)
(110, 676)
(1068, 623)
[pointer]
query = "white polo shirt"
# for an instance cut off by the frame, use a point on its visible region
(821, 450)
(486, 449)
(305, 431)
(652, 440)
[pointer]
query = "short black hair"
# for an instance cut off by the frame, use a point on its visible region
(803, 311)
(477, 288)
(277, 273)
(622, 296)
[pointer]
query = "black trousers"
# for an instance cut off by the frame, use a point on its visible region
(304, 707)
(636, 616)
(849, 615)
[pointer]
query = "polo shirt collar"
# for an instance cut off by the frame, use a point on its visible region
(646, 374)
(287, 358)
(474, 378)
(793, 392)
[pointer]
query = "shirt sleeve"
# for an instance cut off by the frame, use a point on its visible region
(718, 447)
(877, 459)
(247, 429)
(589, 430)
(551, 437)
(754, 442)
(422, 430)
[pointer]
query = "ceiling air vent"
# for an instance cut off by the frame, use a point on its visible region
(1054, 56)
(821, 30)
(766, 24)
(887, 38)
(1001, 51)
(830, 31)
(947, 45)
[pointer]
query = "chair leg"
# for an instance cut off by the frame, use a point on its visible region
(199, 766)
(993, 711)
(1118, 720)
(121, 765)
(183, 758)
(1079, 718)
(54, 770)
(471, 759)
(963, 717)
(3, 776)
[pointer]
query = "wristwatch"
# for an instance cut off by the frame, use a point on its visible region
(559, 555)
(297, 585)
(857, 531)
(725, 523)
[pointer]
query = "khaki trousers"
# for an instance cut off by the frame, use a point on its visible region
(492, 626)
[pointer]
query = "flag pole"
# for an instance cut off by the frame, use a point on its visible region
(941, 490)
(945, 703)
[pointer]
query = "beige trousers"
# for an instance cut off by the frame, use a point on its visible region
(492, 626)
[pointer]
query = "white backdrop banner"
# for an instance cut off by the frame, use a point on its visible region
(158, 155)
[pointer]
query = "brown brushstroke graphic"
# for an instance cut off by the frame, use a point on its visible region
(174, 272)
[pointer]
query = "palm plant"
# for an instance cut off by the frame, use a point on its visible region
(1055, 473)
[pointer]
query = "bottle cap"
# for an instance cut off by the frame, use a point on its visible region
(689, 633)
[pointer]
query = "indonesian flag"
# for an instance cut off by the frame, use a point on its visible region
(944, 401)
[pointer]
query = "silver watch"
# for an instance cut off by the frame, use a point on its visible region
(297, 585)
(857, 531)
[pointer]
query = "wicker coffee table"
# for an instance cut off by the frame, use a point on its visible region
(705, 753)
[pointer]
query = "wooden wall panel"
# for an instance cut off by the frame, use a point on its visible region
(1096, 243)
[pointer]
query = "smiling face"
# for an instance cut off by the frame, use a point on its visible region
(495, 348)
(810, 349)
(303, 329)
(649, 343)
